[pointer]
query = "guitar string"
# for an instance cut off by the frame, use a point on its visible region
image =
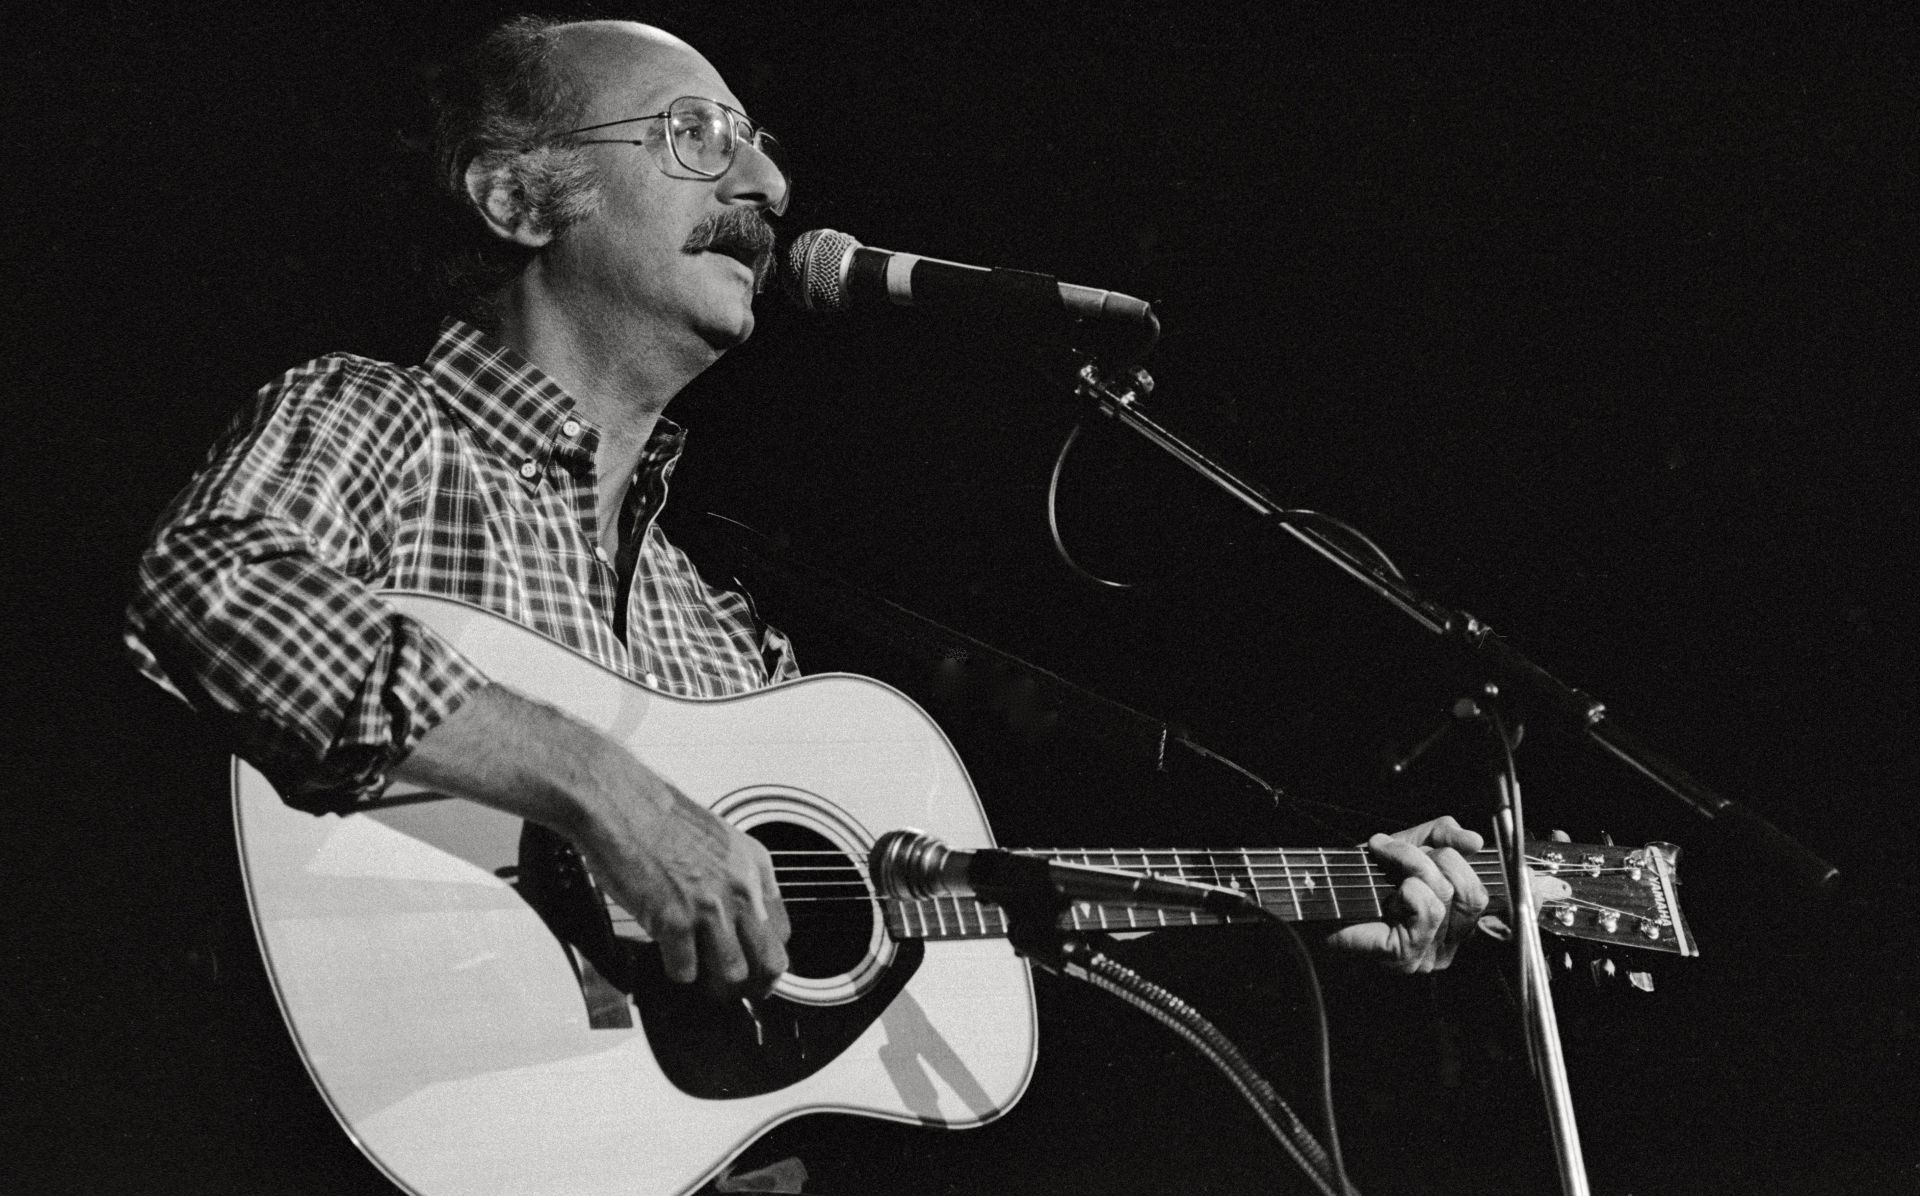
(1276, 887)
(1231, 861)
(1303, 888)
(1256, 858)
(1282, 875)
(1484, 856)
(1087, 909)
(1314, 853)
(1274, 881)
(1118, 911)
(985, 920)
(1316, 895)
(1263, 870)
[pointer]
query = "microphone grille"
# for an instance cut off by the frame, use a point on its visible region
(906, 864)
(815, 277)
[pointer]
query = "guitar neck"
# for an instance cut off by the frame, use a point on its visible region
(1294, 884)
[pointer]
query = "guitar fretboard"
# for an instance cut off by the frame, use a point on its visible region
(1298, 885)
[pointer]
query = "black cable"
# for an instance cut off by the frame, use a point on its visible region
(1109, 975)
(1053, 517)
(1330, 526)
(1322, 1045)
(1324, 1165)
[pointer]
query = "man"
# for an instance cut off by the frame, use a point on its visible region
(616, 200)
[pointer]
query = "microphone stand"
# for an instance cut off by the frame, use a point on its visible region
(1118, 391)
(1536, 992)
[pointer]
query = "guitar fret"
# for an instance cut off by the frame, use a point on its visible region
(1185, 865)
(1159, 913)
(1326, 874)
(1217, 877)
(1253, 880)
(1191, 917)
(1293, 890)
(1310, 902)
(1110, 859)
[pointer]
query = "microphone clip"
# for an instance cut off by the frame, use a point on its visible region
(1122, 386)
(1021, 886)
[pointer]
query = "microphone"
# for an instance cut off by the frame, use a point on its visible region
(912, 864)
(830, 271)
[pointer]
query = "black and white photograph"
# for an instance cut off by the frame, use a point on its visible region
(946, 598)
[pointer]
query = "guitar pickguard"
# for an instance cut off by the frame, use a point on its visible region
(726, 1050)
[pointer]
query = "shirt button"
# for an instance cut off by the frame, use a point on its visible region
(602, 554)
(529, 470)
(570, 428)
(652, 681)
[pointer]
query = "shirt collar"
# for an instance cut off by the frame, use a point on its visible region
(512, 405)
(517, 409)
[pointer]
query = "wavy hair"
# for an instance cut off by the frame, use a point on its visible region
(502, 103)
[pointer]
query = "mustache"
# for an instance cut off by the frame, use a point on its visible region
(742, 232)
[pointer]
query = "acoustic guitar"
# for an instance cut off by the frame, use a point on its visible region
(482, 1020)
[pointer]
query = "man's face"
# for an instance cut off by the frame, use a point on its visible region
(660, 256)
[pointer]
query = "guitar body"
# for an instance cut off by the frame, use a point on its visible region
(478, 1028)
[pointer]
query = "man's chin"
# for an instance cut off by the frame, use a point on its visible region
(723, 335)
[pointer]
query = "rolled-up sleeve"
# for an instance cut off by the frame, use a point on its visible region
(257, 598)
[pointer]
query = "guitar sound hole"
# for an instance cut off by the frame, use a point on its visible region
(828, 903)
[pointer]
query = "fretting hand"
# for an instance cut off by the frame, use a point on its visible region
(1438, 903)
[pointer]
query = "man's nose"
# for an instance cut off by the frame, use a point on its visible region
(754, 179)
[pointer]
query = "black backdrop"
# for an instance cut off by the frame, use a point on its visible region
(1599, 322)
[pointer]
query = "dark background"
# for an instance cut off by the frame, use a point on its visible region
(1599, 322)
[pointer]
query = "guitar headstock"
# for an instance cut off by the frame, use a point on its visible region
(1625, 896)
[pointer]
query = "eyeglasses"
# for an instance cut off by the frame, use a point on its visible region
(704, 137)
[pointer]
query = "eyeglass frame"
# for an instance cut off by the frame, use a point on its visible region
(756, 136)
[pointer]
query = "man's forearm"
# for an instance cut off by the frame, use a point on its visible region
(514, 754)
(702, 889)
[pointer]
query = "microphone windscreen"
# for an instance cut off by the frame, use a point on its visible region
(815, 274)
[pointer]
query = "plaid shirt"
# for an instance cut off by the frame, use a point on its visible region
(467, 476)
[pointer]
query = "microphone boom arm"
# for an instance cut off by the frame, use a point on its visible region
(1118, 393)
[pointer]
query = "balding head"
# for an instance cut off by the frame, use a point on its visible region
(611, 62)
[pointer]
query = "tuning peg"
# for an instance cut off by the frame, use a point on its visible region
(1641, 980)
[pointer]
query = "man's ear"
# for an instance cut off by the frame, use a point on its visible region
(494, 190)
